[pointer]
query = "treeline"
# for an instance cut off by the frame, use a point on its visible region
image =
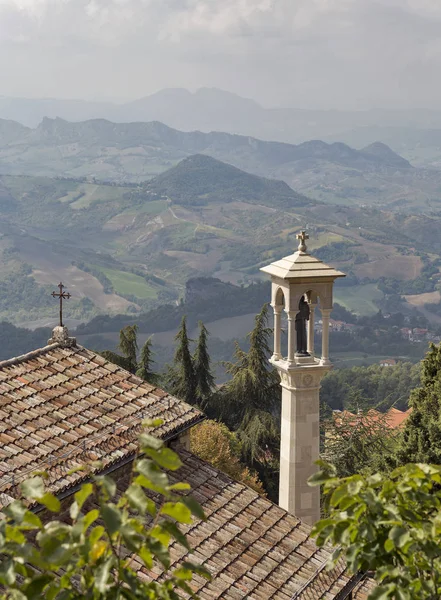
(230, 302)
(17, 340)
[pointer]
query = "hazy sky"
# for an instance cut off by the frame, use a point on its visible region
(304, 53)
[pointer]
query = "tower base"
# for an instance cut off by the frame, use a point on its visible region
(300, 440)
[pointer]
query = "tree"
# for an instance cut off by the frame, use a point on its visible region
(205, 381)
(249, 403)
(359, 444)
(86, 558)
(216, 444)
(128, 344)
(181, 378)
(421, 440)
(145, 363)
(388, 525)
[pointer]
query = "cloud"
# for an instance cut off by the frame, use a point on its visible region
(336, 53)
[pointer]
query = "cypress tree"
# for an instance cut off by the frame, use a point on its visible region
(250, 403)
(145, 363)
(181, 378)
(421, 438)
(204, 377)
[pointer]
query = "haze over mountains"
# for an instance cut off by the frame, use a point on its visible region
(211, 109)
(136, 152)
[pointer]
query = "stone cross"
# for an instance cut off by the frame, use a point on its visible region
(62, 296)
(302, 237)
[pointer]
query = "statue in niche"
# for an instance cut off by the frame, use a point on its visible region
(301, 317)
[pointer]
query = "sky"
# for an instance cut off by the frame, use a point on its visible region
(346, 54)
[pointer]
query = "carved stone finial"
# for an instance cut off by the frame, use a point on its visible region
(60, 335)
(302, 237)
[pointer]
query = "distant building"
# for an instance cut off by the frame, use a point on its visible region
(388, 362)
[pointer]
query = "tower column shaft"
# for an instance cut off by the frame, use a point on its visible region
(277, 332)
(325, 336)
(291, 337)
(311, 329)
(300, 442)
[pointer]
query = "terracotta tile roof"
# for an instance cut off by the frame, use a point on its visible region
(62, 407)
(363, 589)
(253, 548)
(392, 419)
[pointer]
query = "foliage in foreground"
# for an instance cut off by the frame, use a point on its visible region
(390, 525)
(87, 558)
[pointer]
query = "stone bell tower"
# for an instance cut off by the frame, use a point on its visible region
(300, 282)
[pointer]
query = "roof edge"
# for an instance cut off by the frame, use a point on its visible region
(28, 355)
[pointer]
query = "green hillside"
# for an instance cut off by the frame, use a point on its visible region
(125, 249)
(201, 180)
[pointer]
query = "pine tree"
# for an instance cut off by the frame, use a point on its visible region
(181, 378)
(145, 363)
(128, 344)
(204, 377)
(421, 438)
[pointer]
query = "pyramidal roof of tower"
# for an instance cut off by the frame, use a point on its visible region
(301, 265)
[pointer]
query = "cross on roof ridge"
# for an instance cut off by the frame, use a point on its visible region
(62, 296)
(302, 237)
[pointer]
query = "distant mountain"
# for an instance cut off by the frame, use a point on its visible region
(386, 155)
(200, 180)
(211, 109)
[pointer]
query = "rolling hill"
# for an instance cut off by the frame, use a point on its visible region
(200, 180)
(136, 152)
(129, 248)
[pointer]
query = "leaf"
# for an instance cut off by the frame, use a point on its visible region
(112, 518)
(33, 488)
(194, 506)
(102, 573)
(161, 534)
(146, 556)
(179, 487)
(107, 484)
(178, 511)
(155, 479)
(174, 530)
(338, 495)
(7, 572)
(137, 498)
(51, 502)
(16, 511)
(96, 534)
(399, 535)
(90, 518)
(34, 591)
(382, 592)
(165, 458)
(147, 441)
(199, 569)
(153, 422)
(97, 550)
(83, 493)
